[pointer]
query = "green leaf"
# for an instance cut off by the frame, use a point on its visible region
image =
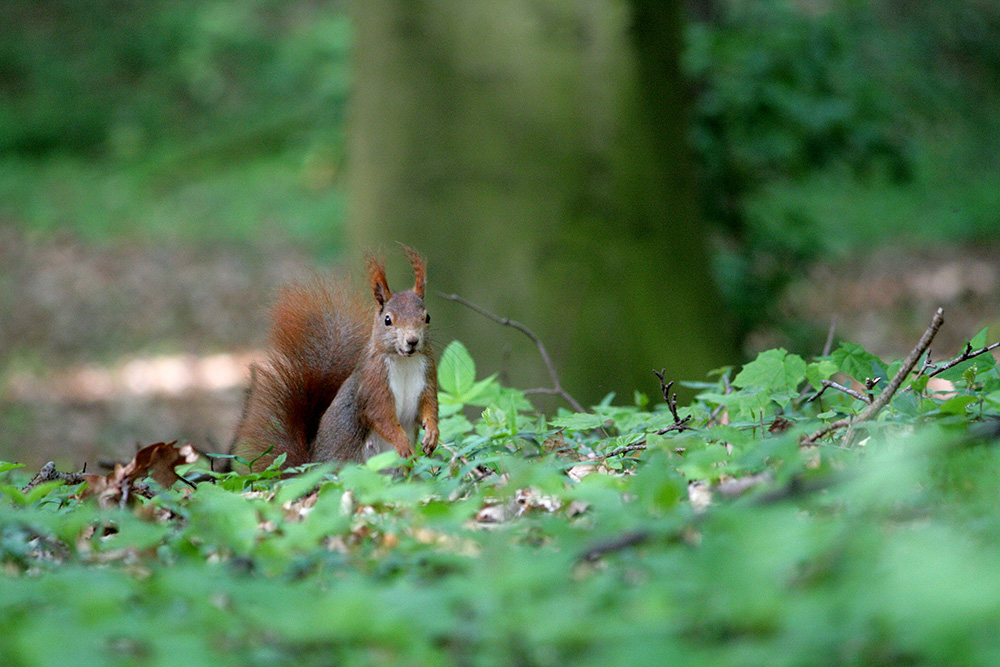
(223, 518)
(32, 496)
(579, 421)
(706, 463)
(855, 361)
(657, 486)
(453, 426)
(6, 465)
(772, 370)
(366, 482)
(383, 461)
(448, 405)
(136, 534)
(479, 389)
(957, 405)
(296, 487)
(993, 398)
(456, 370)
(725, 433)
(818, 371)
(983, 362)
(979, 340)
(640, 399)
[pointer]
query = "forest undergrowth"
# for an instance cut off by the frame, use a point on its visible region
(835, 510)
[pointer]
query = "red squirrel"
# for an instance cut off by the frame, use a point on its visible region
(336, 386)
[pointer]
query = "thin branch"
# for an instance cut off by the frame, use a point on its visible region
(890, 390)
(904, 370)
(967, 353)
(828, 345)
(829, 428)
(557, 387)
(847, 390)
(545, 390)
(671, 399)
(611, 545)
(634, 447)
(678, 425)
(640, 445)
(478, 474)
(926, 363)
(48, 473)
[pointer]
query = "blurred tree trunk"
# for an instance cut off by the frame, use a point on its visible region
(535, 152)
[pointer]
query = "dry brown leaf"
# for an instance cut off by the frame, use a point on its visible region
(494, 514)
(156, 460)
(578, 472)
(556, 441)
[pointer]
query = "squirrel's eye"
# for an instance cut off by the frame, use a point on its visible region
(428, 318)
(388, 320)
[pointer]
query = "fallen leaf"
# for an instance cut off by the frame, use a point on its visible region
(157, 461)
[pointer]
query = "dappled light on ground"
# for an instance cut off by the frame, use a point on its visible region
(163, 375)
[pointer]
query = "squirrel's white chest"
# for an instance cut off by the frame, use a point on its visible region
(407, 376)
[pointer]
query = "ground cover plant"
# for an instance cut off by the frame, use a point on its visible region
(836, 510)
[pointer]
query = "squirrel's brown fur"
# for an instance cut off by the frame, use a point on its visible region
(341, 381)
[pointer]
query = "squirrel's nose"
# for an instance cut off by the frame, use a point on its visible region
(411, 341)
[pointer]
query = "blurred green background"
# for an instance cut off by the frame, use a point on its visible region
(645, 184)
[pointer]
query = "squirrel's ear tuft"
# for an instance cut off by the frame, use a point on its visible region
(376, 277)
(419, 270)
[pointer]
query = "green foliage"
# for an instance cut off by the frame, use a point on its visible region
(788, 92)
(822, 130)
(206, 119)
(88, 79)
(580, 540)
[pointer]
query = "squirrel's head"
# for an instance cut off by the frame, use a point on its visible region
(401, 321)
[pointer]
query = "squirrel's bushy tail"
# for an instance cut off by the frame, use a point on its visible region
(317, 336)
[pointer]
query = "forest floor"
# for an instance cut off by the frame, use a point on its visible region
(109, 347)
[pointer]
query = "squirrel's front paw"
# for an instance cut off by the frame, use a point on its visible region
(405, 452)
(430, 440)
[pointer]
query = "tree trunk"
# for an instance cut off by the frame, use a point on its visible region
(535, 153)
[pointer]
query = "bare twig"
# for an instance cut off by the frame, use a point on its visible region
(813, 437)
(671, 400)
(678, 425)
(890, 390)
(828, 345)
(478, 474)
(48, 473)
(634, 447)
(557, 387)
(926, 363)
(847, 390)
(611, 545)
(904, 370)
(967, 353)
(640, 445)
